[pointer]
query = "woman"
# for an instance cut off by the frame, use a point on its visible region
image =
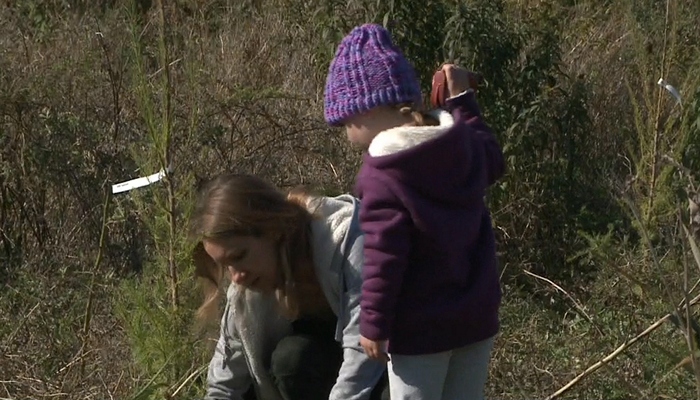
(290, 326)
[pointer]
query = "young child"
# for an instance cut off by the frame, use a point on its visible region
(430, 292)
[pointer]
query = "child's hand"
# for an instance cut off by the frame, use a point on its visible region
(375, 349)
(459, 79)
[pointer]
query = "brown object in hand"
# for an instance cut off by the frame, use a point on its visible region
(438, 93)
(439, 90)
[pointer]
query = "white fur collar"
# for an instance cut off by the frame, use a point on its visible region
(404, 137)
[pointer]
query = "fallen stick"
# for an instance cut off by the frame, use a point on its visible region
(578, 306)
(614, 354)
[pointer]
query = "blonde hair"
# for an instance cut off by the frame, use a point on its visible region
(231, 205)
(419, 117)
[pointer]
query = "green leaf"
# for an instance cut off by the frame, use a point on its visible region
(638, 290)
(385, 21)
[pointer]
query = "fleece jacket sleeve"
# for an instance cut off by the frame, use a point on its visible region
(466, 106)
(228, 377)
(358, 374)
(386, 224)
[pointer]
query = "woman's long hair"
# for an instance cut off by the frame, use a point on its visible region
(234, 204)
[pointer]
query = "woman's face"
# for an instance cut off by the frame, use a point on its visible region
(251, 261)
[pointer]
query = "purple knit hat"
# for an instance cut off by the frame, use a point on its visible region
(368, 71)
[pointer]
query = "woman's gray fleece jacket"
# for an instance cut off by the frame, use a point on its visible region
(251, 327)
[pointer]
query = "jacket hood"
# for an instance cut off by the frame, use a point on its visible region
(331, 230)
(435, 161)
(404, 137)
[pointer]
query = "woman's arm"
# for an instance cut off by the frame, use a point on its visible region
(358, 374)
(228, 377)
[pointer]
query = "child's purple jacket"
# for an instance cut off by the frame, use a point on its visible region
(430, 277)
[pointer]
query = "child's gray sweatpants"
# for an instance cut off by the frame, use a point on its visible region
(458, 374)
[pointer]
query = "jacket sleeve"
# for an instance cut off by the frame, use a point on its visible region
(468, 110)
(358, 374)
(228, 377)
(386, 226)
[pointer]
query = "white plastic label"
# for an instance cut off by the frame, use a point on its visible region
(138, 182)
(670, 89)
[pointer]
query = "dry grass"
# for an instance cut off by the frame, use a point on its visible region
(247, 94)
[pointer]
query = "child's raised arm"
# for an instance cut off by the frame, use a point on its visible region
(466, 110)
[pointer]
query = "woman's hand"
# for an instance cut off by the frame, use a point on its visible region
(375, 350)
(459, 79)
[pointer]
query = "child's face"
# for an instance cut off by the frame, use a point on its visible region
(362, 128)
(358, 132)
